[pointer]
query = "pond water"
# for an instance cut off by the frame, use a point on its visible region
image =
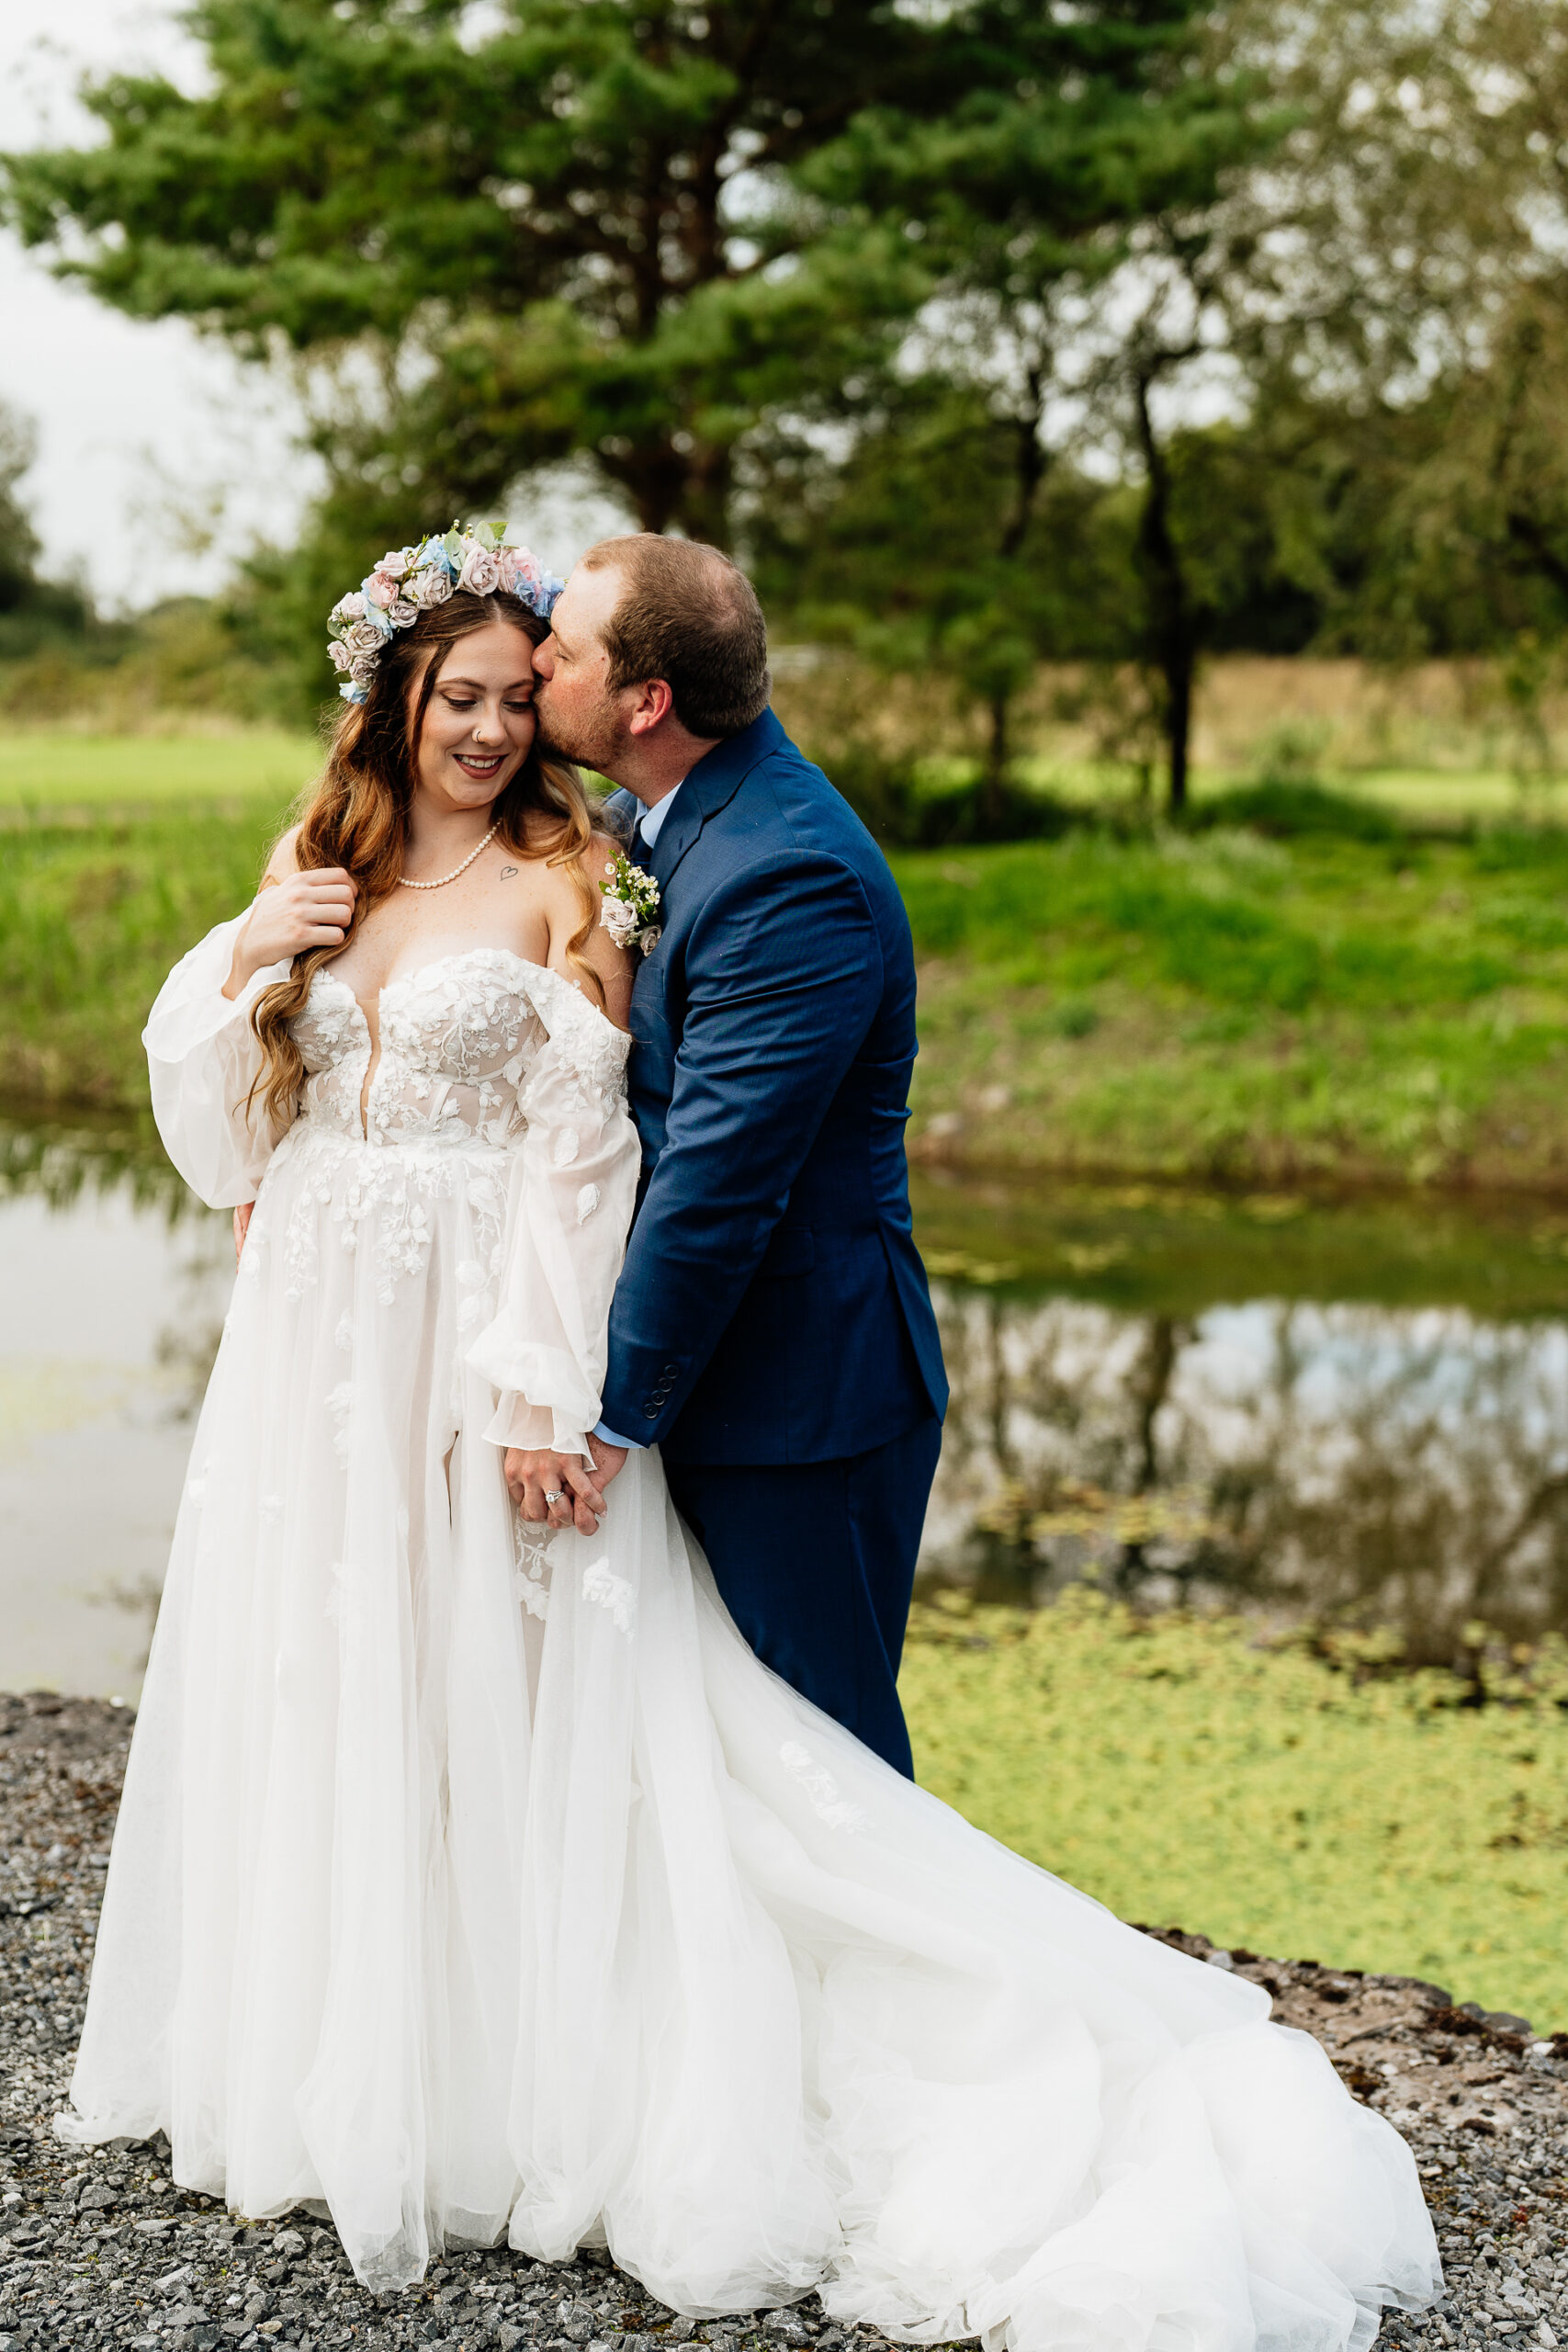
(1353, 1409)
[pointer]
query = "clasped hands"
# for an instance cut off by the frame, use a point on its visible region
(534, 1475)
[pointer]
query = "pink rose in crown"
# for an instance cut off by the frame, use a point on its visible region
(428, 588)
(382, 590)
(480, 574)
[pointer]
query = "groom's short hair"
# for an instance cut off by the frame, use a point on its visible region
(689, 615)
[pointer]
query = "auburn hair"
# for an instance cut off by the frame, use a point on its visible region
(356, 816)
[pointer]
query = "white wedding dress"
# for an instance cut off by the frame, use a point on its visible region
(480, 1889)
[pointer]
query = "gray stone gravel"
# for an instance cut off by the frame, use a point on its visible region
(101, 2248)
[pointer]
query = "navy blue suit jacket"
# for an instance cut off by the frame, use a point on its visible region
(773, 1307)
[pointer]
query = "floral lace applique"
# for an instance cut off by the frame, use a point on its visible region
(453, 1089)
(340, 1405)
(612, 1592)
(476, 1304)
(530, 1580)
(821, 1789)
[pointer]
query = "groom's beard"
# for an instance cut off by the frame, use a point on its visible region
(598, 740)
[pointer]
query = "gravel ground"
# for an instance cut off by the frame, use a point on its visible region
(108, 2251)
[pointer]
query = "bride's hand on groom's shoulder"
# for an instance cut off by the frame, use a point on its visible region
(534, 1475)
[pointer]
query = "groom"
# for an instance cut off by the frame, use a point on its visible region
(771, 1331)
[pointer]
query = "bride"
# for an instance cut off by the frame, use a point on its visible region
(476, 1881)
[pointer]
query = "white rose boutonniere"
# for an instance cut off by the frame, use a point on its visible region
(631, 904)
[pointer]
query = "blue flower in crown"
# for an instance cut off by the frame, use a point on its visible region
(407, 582)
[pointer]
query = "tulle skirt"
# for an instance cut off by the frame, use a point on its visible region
(478, 1891)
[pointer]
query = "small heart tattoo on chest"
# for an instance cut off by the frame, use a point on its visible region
(507, 873)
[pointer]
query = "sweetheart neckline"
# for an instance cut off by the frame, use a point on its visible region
(467, 955)
(422, 971)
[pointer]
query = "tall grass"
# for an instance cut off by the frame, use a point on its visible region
(1237, 1008)
(91, 920)
(1386, 927)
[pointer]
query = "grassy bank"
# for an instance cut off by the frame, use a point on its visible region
(1227, 1006)
(92, 916)
(1213, 1005)
(1181, 1774)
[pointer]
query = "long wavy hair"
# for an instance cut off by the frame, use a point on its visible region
(356, 816)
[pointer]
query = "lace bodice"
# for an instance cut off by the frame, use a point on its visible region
(459, 1039)
(497, 1099)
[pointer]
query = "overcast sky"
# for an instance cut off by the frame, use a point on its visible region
(132, 417)
(136, 418)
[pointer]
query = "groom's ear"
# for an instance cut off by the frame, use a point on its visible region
(648, 706)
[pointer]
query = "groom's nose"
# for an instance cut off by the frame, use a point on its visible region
(544, 659)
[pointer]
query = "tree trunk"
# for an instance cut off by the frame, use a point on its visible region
(1179, 672)
(1029, 466)
(993, 785)
(704, 502)
(1173, 629)
(671, 489)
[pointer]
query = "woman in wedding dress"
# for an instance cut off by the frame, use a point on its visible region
(474, 1880)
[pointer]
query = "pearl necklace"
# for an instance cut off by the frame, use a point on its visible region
(404, 884)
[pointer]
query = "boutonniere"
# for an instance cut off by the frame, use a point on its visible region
(631, 904)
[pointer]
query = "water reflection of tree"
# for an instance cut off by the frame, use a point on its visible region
(1408, 1468)
(61, 1163)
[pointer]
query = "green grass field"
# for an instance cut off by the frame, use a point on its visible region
(51, 769)
(1214, 1005)
(1220, 1005)
(1186, 1776)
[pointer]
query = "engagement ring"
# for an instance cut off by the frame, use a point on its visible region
(554, 1498)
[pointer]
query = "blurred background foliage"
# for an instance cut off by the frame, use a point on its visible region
(1034, 357)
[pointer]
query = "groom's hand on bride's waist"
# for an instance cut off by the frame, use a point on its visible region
(556, 1490)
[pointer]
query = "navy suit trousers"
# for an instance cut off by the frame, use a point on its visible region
(816, 1564)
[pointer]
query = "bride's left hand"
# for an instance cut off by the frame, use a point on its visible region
(533, 1474)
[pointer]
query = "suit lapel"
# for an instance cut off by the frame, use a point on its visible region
(711, 785)
(623, 808)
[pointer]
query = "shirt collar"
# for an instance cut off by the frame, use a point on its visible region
(651, 822)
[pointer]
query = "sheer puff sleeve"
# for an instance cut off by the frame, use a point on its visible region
(574, 1188)
(203, 1056)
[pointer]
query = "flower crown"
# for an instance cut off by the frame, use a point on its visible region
(408, 580)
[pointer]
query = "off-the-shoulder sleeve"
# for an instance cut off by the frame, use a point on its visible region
(203, 1056)
(572, 1191)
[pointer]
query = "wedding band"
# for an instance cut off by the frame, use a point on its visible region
(554, 1498)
